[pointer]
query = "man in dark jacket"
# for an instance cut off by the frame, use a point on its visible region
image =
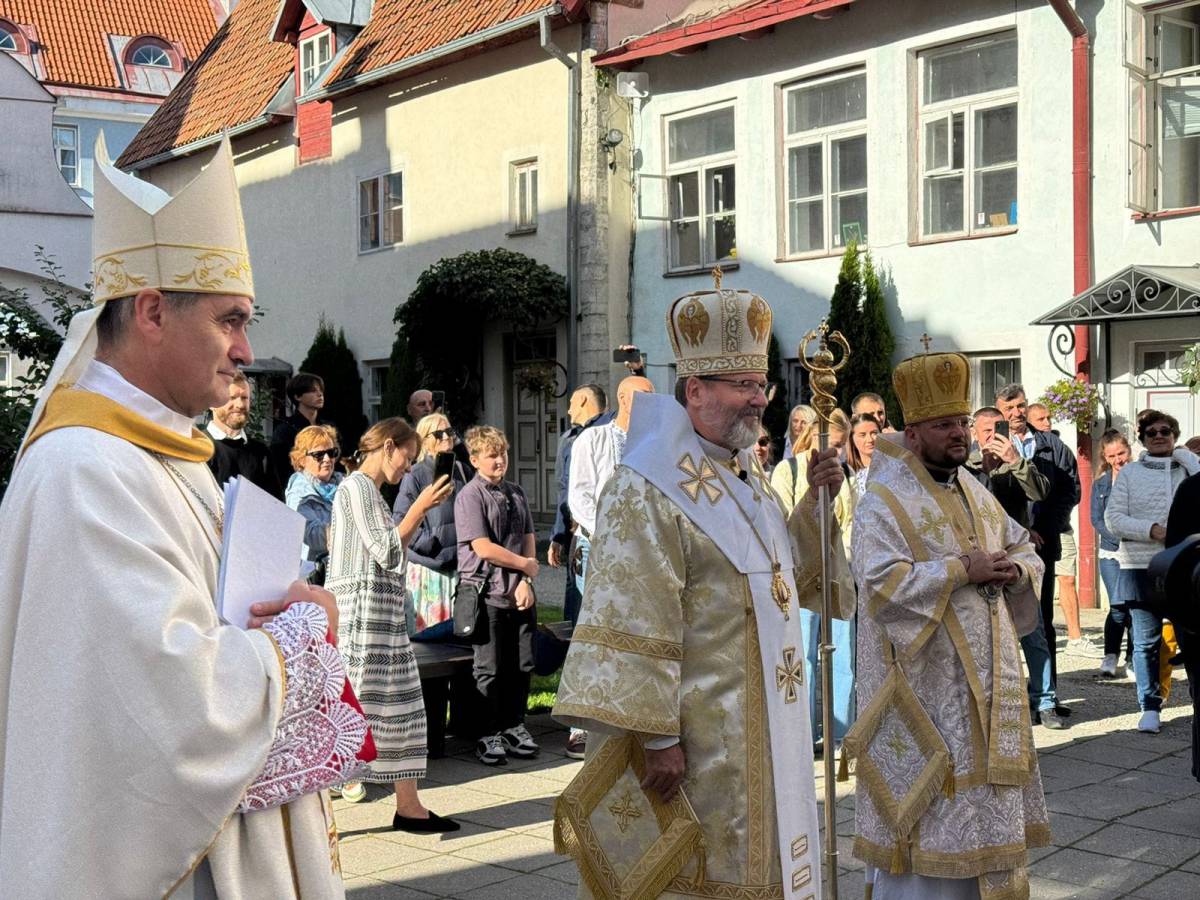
(1182, 523)
(1051, 516)
(306, 393)
(235, 452)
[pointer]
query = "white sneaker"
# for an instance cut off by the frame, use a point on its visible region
(519, 742)
(1108, 668)
(489, 750)
(1085, 647)
(1149, 722)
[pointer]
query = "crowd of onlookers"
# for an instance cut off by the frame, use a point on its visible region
(458, 529)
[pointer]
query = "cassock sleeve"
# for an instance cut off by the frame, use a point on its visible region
(623, 670)
(905, 596)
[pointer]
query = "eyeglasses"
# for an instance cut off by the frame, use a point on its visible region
(332, 452)
(442, 433)
(747, 385)
(1158, 432)
(764, 442)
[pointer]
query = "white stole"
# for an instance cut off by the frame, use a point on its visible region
(664, 448)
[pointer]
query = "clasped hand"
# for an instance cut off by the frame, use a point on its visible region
(825, 470)
(990, 568)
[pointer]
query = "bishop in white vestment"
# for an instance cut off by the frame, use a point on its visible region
(689, 640)
(949, 798)
(140, 736)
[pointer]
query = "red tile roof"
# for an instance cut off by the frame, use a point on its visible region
(716, 24)
(238, 74)
(73, 33)
(231, 83)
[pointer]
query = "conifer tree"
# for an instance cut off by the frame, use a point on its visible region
(878, 343)
(845, 316)
(331, 358)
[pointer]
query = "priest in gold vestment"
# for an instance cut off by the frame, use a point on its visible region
(949, 797)
(687, 658)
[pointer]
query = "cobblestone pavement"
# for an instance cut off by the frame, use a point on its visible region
(1125, 812)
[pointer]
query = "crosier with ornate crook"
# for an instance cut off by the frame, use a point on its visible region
(823, 380)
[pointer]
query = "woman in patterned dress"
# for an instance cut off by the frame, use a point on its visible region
(366, 574)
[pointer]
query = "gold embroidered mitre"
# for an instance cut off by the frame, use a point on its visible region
(933, 386)
(144, 238)
(719, 331)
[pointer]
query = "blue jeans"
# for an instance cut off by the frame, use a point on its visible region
(1117, 586)
(1042, 689)
(842, 634)
(1147, 642)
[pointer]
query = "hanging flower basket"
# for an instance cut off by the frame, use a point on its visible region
(1070, 400)
(537, 378)
(1189, 370)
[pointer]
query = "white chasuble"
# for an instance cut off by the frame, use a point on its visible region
(689, 629)
(947, 777)
(133, 720)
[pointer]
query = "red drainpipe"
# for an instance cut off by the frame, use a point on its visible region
(1081, 180)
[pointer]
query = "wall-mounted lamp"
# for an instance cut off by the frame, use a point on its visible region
(610, 142)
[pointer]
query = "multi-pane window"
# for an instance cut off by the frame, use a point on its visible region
(701, 190)
(1162, 57)
(380, 211)
(66, 151)
(825, 152)
(523, 195)
(990, 373)
(5, 366)
(8, 39)
(968, 137)
(376, 387)
(314, 57)
(151, 55)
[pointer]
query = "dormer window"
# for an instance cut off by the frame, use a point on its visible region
(11, 38)
(315, 53)
(152, 53)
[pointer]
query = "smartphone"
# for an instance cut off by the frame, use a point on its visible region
(443, 464)
(1002, 427)
(439, 401)
(627, 356)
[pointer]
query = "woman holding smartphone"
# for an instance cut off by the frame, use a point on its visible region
(432, 574)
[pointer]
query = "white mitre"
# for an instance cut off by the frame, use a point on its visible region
(142, 237)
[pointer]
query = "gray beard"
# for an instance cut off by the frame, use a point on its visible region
(742, 435)
(737, 432)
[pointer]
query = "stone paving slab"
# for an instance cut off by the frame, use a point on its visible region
(1125, 812)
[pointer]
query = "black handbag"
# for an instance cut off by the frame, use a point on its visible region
(470, 607)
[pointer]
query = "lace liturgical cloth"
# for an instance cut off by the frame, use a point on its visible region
(322, 738)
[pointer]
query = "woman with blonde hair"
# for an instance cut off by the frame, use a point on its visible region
(432, 573)
(790, 476)
(310, 490)
(366, 575)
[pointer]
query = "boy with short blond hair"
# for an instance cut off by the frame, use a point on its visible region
(497, 555)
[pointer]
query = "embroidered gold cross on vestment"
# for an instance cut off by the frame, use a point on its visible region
(624, 810)
(700, 478)
(790, 675)
(931, 526)
(897, 744)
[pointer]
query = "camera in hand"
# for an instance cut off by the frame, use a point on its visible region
(443, 464)
(627, 356)
(1175, 582)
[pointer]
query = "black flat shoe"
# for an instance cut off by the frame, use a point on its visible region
(435, 824)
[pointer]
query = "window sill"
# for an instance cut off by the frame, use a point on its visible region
(702, 270)
(517, 232)
(999, 232)
(1166, 214)
(836, 253)
(385, 247)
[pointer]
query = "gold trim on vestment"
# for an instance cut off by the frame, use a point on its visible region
(757, 867)
(628, 643)
(286, 818)
(969, 864)
(642, 724)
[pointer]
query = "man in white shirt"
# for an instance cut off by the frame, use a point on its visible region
(594, 458)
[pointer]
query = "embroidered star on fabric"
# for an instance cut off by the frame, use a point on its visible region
(790, 675)
(700, 478)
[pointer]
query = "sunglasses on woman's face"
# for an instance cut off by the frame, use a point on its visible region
(764, 442)
(1157, 432)
(442, 433)
(332, 452)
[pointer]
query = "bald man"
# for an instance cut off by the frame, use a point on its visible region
(420, 404)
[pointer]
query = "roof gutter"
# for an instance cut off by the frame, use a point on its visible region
(529, 20)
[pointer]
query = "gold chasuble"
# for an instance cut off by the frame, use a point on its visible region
(689, 629)
(947, 776)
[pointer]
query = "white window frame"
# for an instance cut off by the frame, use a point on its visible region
(976, 361)
(310, 74)
(523, 219)
(383, 239)
(152, 45)
(60, 148)
(6, 363)
(13, 37)
(968, 107)
(826, 137)
(375, 398)
(706, 219)
(1142, 47)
